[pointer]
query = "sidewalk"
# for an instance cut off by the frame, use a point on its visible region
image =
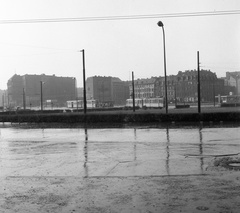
(215, 192)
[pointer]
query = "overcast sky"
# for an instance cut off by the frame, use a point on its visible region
(116, 47)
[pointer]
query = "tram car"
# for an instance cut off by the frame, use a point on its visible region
(228, 100)
(146, 102)
(78, 104)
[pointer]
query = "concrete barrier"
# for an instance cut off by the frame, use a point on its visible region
(120, 117)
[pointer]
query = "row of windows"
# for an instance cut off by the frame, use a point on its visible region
(190, 80)
(168, 83)
(145, 86)
(195, 78)
(144, 90)
(152, 90)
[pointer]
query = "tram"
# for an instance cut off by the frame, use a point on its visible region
(146, 102)
(74, 104)
(228, 100)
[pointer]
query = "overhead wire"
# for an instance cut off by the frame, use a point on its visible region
(33, 55)
(35, 46)
(129, 17)
(112, 18)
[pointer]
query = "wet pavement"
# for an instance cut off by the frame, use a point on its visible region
(131, 169)
(112, 151)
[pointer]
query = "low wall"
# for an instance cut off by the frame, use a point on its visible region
(120, 117)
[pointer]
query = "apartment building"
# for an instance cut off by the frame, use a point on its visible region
(108, 91)
(28, 89)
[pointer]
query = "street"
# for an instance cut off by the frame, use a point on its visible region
(132, 169)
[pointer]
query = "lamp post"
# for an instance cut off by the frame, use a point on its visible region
(160, 24)
(199, 86)
(133, 92)
(84, 83)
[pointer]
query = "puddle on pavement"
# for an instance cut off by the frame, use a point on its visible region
(130, 151)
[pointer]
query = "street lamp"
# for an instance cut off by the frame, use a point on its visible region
(160, 24)
(133, 92)
(84, 83)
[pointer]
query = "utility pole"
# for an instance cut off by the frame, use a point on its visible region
(199, 88)
(84, 84)
(133, 92)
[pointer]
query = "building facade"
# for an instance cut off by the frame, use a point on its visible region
(171, 89)
(15, 91)
(233, 80)
(143, 88)
(182, 87)
(108, 91)
(120, 91)
(25, 91)
(153, 87)
(187, 86)
(3, 99)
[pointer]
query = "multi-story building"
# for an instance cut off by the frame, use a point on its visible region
(187, 86)
(120, 91)
(153, 87)
(233, 79)
(225, 88)
(183, 87)
(26, 90)
(160, 87)
(3, 99)
(15, 91)
(143, 88)
(107, 91)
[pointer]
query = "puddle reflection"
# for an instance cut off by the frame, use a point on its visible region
(113, 152)
(86, 152)
(201, 148)
(167, 151)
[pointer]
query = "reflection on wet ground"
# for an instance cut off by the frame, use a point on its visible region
(130, 151)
